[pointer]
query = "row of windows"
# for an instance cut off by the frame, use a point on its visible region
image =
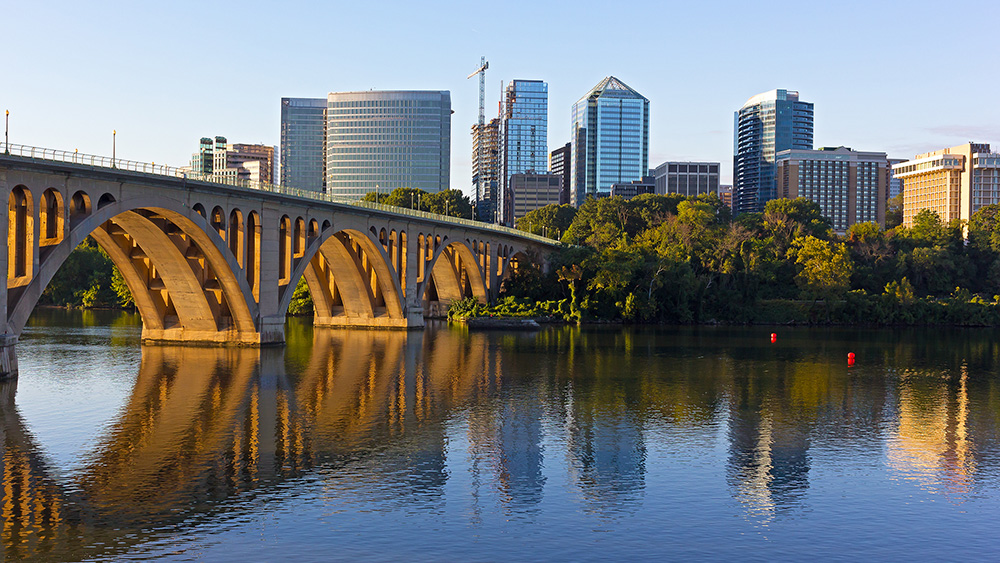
(388, 104)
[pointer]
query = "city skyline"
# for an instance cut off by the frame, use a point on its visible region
(126, 61)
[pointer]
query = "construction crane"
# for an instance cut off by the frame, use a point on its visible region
(481, 71)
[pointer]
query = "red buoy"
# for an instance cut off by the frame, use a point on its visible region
(774, 337)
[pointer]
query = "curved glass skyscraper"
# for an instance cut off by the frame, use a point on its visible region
(766, 124)
(382, 140)
(610, 136)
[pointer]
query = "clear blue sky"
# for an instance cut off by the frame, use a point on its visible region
(885, 76)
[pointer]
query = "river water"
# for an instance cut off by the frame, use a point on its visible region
(566, 444)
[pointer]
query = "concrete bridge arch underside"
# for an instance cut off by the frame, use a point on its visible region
(215, 264)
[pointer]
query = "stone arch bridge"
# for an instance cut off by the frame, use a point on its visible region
(217, 263)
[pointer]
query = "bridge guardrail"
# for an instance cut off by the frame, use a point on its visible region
(95, 161)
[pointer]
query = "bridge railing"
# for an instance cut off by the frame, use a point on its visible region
(95, 161)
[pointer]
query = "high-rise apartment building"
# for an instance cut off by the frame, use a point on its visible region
(610, 137)
(386, 140)
(559, 164)
(532, 191)
(955, 182)
(849, 186)
(486, 168)
(303, 143)
(524, 149)
(767, 124)
(687, 178)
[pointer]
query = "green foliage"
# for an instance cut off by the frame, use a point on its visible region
(557, 309)
(452, 203)
(87, 278)
(894, 212)
(824, 268)
(551, 220)
(447, 202)
(302, 302)
(118, 285)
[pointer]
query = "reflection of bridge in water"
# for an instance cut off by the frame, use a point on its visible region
(206, 425)
(212, 262)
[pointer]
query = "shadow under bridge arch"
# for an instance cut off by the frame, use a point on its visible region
(352, 281)
(181, 274)
(455, 274)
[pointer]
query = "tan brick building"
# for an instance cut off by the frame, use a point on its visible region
(849, 186)
(954, 182)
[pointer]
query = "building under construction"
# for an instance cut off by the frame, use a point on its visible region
(486, 168)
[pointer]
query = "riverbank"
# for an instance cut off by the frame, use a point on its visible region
(857, 309)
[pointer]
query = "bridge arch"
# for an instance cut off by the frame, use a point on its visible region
(180, 273)
(51, 222)
(456, 277)
(351, 279)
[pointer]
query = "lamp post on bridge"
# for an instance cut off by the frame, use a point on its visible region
(6, 133)
(114, 142)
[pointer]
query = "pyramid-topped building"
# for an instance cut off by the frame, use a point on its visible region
(610, 139)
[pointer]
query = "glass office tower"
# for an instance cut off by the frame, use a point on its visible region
(766, 124)
(610, 136)
(524, 137)
(382, 140)
(303, 143)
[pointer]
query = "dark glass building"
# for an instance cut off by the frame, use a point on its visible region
(303, 143)
(559, 164)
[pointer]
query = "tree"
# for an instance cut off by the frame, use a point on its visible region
(600, 223)
(450, 202)
(825, 267)
(301, 303)
(551, 220)
(894, 212)
(786, 219)
(873, 256)
(410, 198)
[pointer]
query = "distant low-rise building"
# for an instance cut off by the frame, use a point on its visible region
(532, 191)
(726, 195)
(239, 161)
(256, 160)
(895, 183)
(628, 190)
(687, 178)
(954, 182)
(849, 186)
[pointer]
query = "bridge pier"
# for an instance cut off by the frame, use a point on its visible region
(8, 356)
